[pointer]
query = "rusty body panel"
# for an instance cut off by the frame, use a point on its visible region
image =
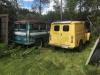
(28, 32)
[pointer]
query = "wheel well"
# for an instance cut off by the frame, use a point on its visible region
(39, 39)
(43, 40)
(81, 41)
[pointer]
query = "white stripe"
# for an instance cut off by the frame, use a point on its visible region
(32, 34)
(20, 33)
(38, 33)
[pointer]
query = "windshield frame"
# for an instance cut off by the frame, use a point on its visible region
(21, 27)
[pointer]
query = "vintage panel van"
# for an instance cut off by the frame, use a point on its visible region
(68, 34)
(27, 32)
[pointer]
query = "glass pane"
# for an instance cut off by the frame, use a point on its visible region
(34, 27)
(16, 27)
(56, 28)
(43, 27)
(66, 28)
(23, 27)
(20, 27)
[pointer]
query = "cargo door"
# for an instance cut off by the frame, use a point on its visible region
(55, 34)
(65, 34)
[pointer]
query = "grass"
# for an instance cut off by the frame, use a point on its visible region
(46, 61)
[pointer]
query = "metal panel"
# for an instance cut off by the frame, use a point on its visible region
(94, 57)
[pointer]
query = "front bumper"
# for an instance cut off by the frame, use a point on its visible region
(24, 43)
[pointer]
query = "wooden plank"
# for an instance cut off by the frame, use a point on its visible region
(3, 15)
(4, 28)
(93, 50)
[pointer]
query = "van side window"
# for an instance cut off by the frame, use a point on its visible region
(66, 28)
(34, 27)
(56, 28)
(43, 27)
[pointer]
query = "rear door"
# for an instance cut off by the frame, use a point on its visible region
(65, 34)
(55, 34)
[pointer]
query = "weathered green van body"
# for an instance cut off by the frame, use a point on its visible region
(27, 32)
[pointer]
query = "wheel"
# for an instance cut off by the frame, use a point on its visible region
(80, 48)
(38, 44)
(45, 43)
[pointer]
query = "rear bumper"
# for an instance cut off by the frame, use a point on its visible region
(63, 46)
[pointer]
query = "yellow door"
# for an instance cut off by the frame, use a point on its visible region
(55, 35)
(65, 34)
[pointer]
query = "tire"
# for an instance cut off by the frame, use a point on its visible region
(38, 44)
(80, 48)
(45, 43)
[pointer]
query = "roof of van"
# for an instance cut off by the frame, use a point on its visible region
(29, 21)
(69, 22)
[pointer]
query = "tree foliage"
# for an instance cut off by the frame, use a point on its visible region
(73, 9)
(38, 5)
(9, 7)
